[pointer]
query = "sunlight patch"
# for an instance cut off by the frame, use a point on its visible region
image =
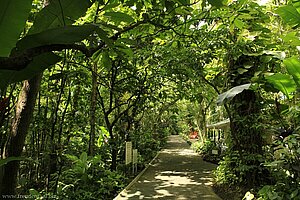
(162, 193)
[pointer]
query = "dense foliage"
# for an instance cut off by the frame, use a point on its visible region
(79, 78)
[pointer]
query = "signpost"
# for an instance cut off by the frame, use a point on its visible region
(214, 152)
(134, 160)
(128, 153)
(131, 156)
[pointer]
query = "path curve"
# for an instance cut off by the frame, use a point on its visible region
(176, 173)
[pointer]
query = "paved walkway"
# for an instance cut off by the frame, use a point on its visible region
(177, 173)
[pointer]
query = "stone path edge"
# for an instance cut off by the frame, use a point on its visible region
(137, 177)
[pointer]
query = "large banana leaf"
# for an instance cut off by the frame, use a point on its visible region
(228, 95)
(13, 15)
(60, 35)
(59, 13)
(293, 67)
(284, 83)
(39, 64)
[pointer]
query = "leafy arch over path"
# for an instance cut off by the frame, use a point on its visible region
(144, 68)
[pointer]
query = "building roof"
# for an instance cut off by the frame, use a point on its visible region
(219, 125)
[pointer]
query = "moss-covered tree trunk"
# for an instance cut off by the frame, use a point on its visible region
(246, 132)
(20, 126)
(247, 141)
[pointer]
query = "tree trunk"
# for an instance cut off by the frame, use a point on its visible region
(20, 126)
(246, 133)
(246, 124)
(114, 153)
(93, 111)
(248, 140)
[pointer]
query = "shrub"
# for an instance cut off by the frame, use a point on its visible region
(88, 179)
(206, 150)
(284, 164)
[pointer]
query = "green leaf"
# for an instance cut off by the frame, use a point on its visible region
(105, 60)
(228, 95)
(277, 54)
(125, 49)
(293, 68)
(34, 193)
(292, 39)
(13, 15)
(283, 82)
(59, 13)
(110, 26)
(216, 3)
(97, 56)
(294, 194)
(83, 157)
(241, 3)
(104, 36)
(296, 4)
(289, 14)
(61, 35)
(241, 70)
(9, 159)
(110, 5)
(126, 41)
(104, 134)
(72, 157)
(104, 131)
(239, 23)
(39, 64)
(181, 2)
(119, 17)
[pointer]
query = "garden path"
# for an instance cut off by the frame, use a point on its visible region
(176, 173)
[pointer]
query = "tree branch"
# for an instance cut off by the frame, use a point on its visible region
(20, 60)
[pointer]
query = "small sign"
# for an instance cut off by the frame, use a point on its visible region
(128, 153)
(134, 156)
(214, 152)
